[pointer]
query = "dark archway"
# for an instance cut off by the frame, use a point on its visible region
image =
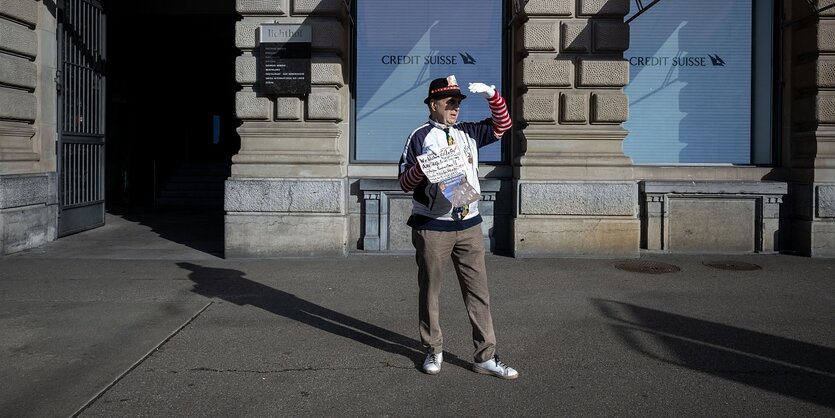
(170, 101)
(171, 125)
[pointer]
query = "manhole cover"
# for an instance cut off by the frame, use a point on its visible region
(651, 267)
(731, 265)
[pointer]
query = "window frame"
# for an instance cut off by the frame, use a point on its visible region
(765, 135)
(505, 149)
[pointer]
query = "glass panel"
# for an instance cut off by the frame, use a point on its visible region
(763, 81)
(401, 46)
(690, 83)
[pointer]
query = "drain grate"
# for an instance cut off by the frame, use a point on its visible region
(651, 267)
(731, 265)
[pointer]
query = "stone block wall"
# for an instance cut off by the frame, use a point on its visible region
(572, 70)
(28, 211)
(576, 191)
(812, 129)
(287, 192)
(21, 69)
(28, 129)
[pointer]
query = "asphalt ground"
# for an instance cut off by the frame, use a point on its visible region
(144, 318)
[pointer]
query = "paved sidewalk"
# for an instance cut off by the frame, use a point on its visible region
(140, 318)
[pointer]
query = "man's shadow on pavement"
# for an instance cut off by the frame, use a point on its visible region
(781, 365)
(232, 286)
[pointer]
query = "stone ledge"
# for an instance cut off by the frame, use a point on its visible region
(714, 187)
(579, 198)
(285, 195)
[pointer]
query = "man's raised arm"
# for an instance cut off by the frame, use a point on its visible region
(498, 107)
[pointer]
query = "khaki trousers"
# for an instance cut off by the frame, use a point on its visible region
(433, 249)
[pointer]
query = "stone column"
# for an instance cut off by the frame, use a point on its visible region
(812, 130)
(287, 193)
(28, 127)
(576, 190)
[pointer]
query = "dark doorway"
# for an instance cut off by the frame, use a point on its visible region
(170, 102)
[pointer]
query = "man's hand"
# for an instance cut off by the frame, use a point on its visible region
(483, 89)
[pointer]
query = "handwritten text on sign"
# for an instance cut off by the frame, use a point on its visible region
(446, 163)
(448, 169)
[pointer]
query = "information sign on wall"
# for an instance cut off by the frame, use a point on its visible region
(284, 59)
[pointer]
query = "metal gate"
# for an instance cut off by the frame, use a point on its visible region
(81, 108)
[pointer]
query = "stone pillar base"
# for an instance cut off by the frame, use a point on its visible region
(577, 219)
(285, 217)
(28, 211)
(598, 237)
(814, 238)
(264, 235)
(822, 239)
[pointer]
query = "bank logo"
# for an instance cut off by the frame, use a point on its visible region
(680, 60)
(468, 59)
(435, 58)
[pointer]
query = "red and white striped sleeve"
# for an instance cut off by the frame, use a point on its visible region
(410, 178)
(498, 111)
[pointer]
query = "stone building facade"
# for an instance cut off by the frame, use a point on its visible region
(567, 190)
(28, 125)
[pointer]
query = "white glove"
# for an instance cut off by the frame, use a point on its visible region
(483, 89)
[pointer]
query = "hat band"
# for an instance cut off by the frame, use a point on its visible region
(443, 89)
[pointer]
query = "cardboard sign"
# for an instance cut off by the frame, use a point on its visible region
(448, 169)
(443, 165)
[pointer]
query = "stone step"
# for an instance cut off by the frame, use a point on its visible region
(195, 184)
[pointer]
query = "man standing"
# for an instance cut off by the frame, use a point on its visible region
(441, 230)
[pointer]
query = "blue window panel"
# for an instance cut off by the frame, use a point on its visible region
(403, 45)
(690, 83)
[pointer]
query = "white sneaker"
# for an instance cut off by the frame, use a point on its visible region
(432, 364)
(495, 367)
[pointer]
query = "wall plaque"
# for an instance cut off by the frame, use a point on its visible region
(284, 59)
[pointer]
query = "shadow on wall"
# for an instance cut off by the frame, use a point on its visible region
(231, 285)
(780, 365)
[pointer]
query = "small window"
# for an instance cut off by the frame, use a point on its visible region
(700, 88)
(400, 47)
